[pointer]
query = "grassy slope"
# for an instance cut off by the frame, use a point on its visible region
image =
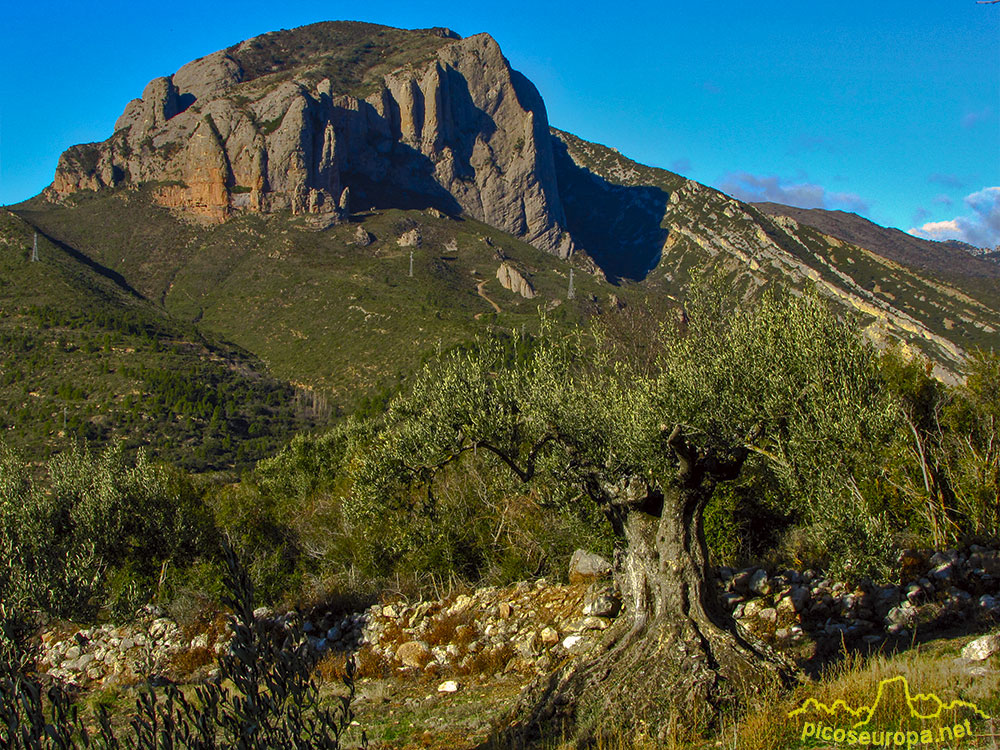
(317, 308)
(83, 356)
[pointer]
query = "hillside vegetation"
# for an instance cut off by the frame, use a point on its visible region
(317, 307)
(85, 358)
(285, 347)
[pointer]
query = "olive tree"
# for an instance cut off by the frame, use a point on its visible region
(784, 381)
(96, 530)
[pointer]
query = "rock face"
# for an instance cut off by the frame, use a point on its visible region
(460, 131)
(512, 279)
(409, 239)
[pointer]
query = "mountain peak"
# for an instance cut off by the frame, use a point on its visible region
(289, 119)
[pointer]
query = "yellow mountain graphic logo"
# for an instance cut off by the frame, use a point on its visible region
(863, 714)
(921, 706)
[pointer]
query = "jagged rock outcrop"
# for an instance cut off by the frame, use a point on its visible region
(512, 279)
(460, 131)
(409, 239)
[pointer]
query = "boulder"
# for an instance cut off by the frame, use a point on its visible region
(602, 603)
(798, 597)
(512, 279)
(986, 560)
(759, 583)
(415, 654)
(587, 566)
(409, 239)
(982, 649)
(362, 237)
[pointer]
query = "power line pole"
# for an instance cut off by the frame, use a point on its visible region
(411, 264)
(572, 293)
(34, 250)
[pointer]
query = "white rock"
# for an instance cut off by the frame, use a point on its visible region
(982, 648)
(571, 640)
(448, 686)
(409, 239)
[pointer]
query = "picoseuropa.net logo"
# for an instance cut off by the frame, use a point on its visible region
(930, 721)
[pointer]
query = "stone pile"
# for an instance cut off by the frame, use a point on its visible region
(528, 627)
(936, 590)
(109, 654)
(521, 628)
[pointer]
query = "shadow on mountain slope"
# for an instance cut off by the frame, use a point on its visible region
(618, 226)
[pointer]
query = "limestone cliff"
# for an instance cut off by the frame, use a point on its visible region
(511, 278)
(450, 125)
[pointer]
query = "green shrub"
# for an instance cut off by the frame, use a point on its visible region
(100, 531)
(265, 696)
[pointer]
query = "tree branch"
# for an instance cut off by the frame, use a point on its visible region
(687, 455)
(528, 472)
(725, 470)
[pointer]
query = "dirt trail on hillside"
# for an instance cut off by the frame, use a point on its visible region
(479, 290)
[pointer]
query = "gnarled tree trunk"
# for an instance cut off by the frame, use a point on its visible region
(674, 657)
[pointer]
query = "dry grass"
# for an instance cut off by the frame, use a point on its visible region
(459, 628)
(186, 663)
(368, 665)
(489, 661)
(931, 668)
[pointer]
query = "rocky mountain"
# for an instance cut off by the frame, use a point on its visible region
(425, 118)
(235, 191)
(656, 227)
(951, 259)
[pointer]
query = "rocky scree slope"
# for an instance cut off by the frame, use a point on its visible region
(384, 114)
(970, 268)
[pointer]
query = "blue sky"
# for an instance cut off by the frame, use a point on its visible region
(890, 109)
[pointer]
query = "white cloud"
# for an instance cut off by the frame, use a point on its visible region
(980, 227)
(756, 188)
